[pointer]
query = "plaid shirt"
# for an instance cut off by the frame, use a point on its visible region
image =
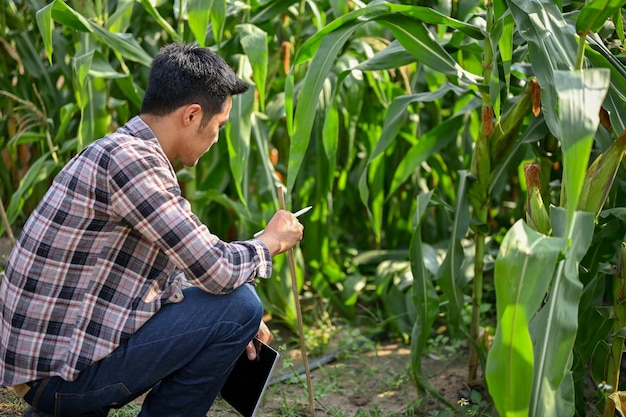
(110, 243)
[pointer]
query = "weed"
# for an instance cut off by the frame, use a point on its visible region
(475, 406)
(444, 348)
(129, 410)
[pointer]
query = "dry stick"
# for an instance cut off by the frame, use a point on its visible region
(5, 220)
(296, 296)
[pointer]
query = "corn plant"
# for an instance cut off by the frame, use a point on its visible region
(535, 339)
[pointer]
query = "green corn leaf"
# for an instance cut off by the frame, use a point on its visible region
(152, 11)
(330, 136)
(289, 101)
(429, 144)
(595, 326)
(269, 10)
(618, 20)
(42, 169)
(91, 96)
(101, 68)
(553, 329)
(45, 23)
(124, 44)
(504, 27)
(309, 95)
(377, 9)
(199, 18)
(33, 63)
(261, 137)
(377, 171)
(425, 299)
(551, 47)
(600, 56)
(599, 361)
(22, 138)
(324, 47)
(69, 17)
(81, 66)
(66, 112)
(449, 275)
(121, 18)
(595, 13)
(314, 44)
(254, 43)
(580, 96)
(396, 114)
(64, 14)
(218, 19)
(131, 90)
(418, 41)
(432, 17)
(616, 107)
(394, 55)
(506, 131)
(523, 272)
(98, 115)
(238, 134)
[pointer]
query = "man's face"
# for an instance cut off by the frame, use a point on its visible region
(193, 146)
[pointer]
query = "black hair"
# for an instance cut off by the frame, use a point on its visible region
(186, 73)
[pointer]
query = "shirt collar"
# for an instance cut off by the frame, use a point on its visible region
(138, 128)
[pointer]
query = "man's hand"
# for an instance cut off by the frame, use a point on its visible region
(282, 232)
(265, 335)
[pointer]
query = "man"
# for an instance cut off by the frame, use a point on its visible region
(115, 288)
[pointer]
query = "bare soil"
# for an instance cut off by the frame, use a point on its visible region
(370, 380)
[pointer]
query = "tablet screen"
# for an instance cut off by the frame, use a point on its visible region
(248, 380)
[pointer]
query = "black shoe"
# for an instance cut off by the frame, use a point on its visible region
(31, 412)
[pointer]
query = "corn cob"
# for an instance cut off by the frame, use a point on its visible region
(536, 214)
(600, 176)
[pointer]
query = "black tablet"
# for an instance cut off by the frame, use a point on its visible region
(248, 380)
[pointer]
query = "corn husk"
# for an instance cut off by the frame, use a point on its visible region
(537, 216)
(600, 176)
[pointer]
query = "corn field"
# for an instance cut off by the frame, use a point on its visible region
(463, 160)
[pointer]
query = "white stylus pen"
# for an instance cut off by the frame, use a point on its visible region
(297, 213)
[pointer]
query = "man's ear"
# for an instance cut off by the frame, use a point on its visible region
(192, 113)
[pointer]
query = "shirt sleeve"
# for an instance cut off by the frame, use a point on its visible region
(146, 196)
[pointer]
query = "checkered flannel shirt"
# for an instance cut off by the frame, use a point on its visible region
(111, 241)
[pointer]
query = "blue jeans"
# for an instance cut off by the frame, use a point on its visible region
(182, 355)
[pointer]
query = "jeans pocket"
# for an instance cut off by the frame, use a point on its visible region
(76, 404)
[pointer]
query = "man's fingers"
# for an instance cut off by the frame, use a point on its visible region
(251, 351)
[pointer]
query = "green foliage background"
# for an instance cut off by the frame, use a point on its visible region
(464, 162)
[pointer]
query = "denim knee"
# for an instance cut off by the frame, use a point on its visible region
(248, 305)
